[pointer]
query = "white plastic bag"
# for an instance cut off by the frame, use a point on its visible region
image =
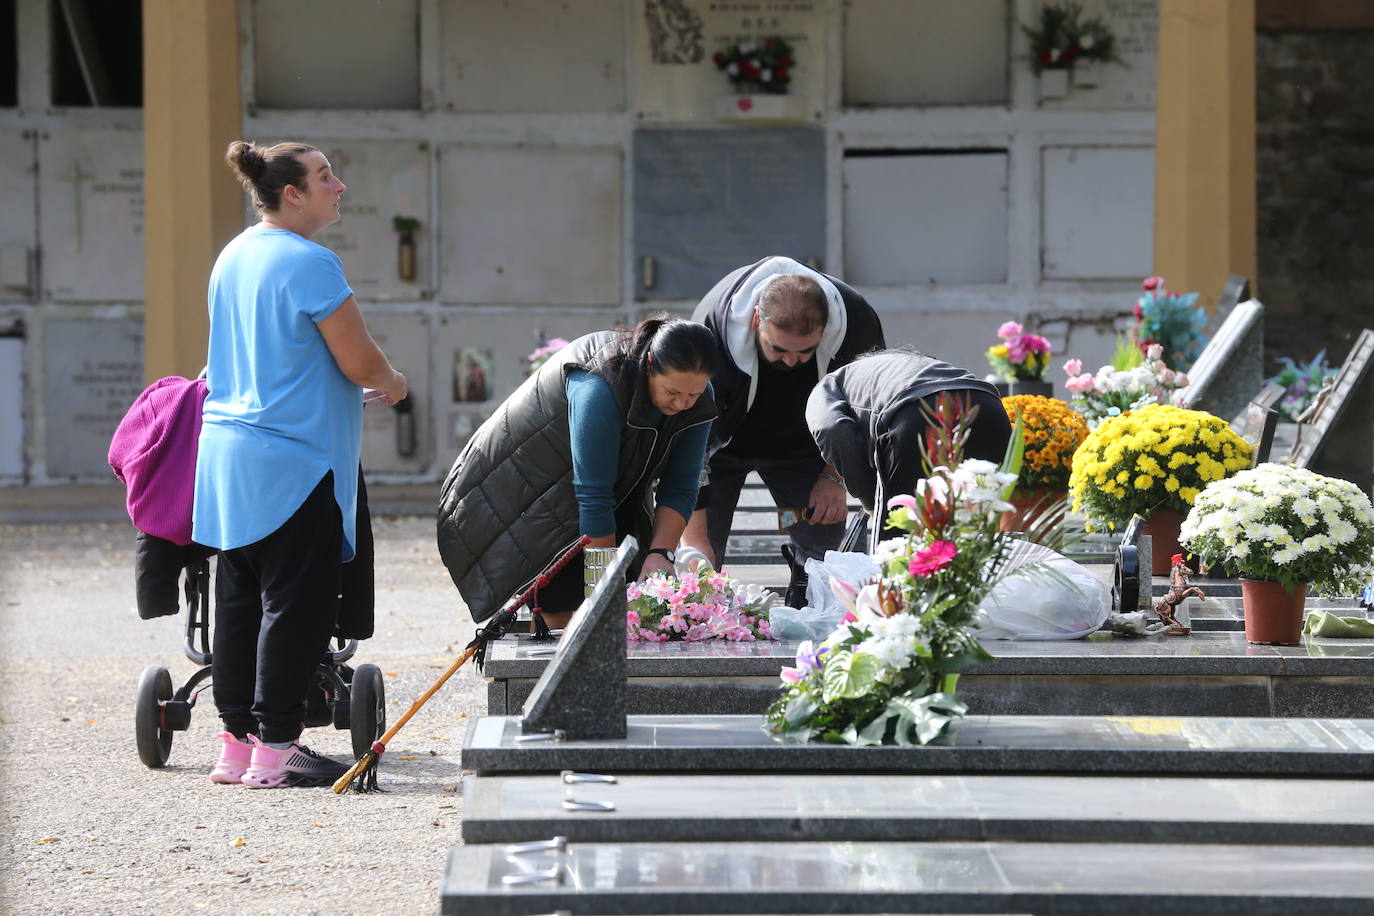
(823, 611)
(1055, 599)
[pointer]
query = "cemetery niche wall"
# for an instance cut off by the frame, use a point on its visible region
(499, 153)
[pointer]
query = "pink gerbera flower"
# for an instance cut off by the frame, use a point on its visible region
(932, 559)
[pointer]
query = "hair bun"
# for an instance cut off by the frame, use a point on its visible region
(246, 159)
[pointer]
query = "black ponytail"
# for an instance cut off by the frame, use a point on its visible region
(658, 345)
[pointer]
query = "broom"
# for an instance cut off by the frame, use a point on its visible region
(363, 774)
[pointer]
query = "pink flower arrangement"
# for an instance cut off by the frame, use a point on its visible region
(694, 607)
(1111, 392)
(542, 353)
(1020, 356)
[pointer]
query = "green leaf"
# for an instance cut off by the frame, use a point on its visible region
(800, 710)
(849, 675)
(875, 732)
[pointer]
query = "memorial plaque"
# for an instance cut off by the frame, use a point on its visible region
(1135, 23)
(18, 231)
(581, 694)
(385, 180)
(925, 217)
(926, 52)
(523, 56)
(12, 408)
(336, 54)
(1338, 440)
(400, 440)
(676, 78)
(93, 371)
(707, 202)
(537, 226)
(1098, 218)
(90, 193)
(1230, 368)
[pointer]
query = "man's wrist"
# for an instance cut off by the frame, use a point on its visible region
(663, 552)
(834, 478)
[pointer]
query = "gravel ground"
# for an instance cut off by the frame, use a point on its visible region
(91, 830)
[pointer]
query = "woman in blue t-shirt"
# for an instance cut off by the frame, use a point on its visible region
(277, 470)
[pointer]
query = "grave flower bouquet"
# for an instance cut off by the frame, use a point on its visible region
(1052, 433)
(1174, 321)
(1020, 356)
(757, 65)
(1286, 524)
(1301, 382)
(1112, 392)
(543, 353)
(691, 607)
(1157, 457)
(886, 674)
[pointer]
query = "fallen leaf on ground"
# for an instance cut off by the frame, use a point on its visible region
(238, 841)
(411, 757)
(51, 839)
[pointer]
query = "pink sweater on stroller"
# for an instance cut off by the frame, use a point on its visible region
(154, 453)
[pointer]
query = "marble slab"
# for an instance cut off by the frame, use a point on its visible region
(936, 877)
(791, 806)
(1097, 654)
(1005, 744)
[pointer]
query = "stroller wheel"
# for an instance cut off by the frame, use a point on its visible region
(154, 742)
(367, 708)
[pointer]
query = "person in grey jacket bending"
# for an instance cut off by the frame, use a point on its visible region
(606, 439)
(868, 421)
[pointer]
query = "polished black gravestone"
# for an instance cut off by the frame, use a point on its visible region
(1003, 744)
(929, 877)
(1338, 440)
(722, 807)
(1230, 368)
(1213, 672)
(581, 691)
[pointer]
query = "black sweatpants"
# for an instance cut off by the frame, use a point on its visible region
(899, 455)
(276, 606)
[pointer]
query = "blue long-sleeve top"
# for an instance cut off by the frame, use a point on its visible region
(595, 423)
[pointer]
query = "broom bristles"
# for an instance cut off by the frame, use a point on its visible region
(363, 773)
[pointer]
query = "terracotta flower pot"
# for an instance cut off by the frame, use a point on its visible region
(1162, 527)
(1273, 614)
(1030, 505)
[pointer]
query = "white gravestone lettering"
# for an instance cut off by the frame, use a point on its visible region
(91, 215)
(93, 371)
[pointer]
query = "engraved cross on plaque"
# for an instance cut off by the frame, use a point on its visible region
(76, 176)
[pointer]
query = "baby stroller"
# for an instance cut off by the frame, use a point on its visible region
(348, 698)
(154, 453)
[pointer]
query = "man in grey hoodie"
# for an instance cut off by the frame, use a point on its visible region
(780, 326)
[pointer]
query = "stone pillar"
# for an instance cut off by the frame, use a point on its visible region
(192, 204)
(1205, 145)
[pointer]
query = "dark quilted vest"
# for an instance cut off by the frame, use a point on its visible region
(507, 507)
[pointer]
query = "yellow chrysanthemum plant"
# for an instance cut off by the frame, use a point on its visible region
(1053, 431)
(1156, 457)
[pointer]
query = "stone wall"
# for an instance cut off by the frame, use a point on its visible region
(1315, 148)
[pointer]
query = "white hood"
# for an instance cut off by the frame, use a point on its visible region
(739, 333)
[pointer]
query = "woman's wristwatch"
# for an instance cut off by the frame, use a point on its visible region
(663, 552)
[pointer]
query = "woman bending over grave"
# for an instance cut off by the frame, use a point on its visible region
(606, 440)
(868, 420)
(277, 470)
